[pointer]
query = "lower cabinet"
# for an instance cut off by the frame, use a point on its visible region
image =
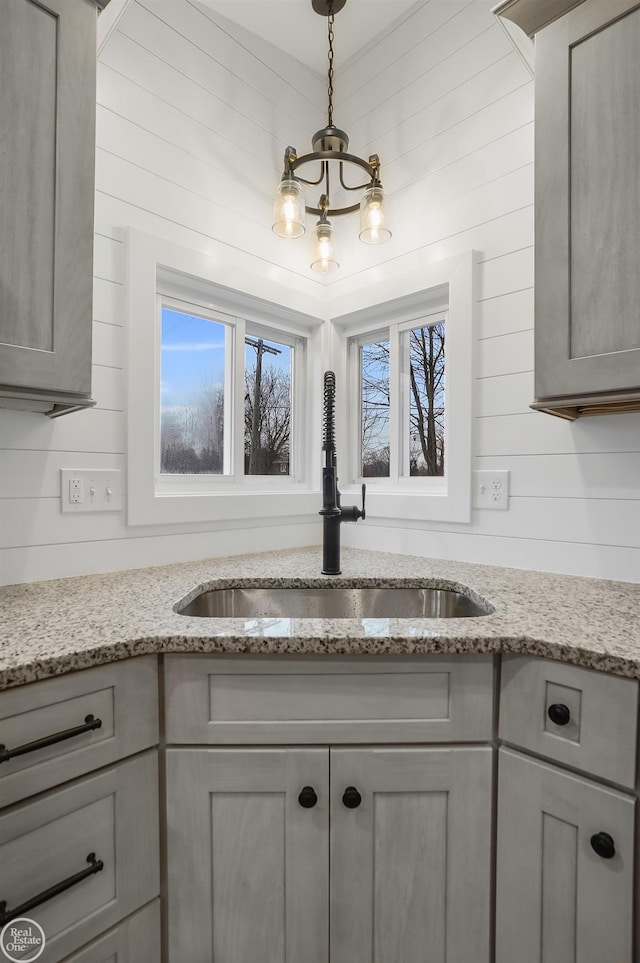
(134, 940)
(82, 857)
(564, 866)
(353, 854)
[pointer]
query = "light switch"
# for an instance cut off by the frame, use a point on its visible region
(84, 490)
(491, 490)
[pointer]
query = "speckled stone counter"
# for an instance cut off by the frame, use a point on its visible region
(49, 628)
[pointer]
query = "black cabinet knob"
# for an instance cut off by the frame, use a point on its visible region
(603, 845)
(559, 714)
(307, 797)
(351, 798)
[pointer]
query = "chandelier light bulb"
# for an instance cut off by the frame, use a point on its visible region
(373, 229)
(289, 209)
(324, 256)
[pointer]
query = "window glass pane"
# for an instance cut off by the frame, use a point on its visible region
(374, 408)
(191, 394)
(426, 400)
(267, 407)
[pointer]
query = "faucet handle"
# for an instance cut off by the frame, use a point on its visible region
(360, 512)
(351, 513)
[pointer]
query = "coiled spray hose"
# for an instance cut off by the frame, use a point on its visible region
(329, 432)
(330, 498)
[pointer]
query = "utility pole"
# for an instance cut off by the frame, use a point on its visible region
(260, 349)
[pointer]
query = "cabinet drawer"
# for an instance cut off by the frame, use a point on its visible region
(319, 700)
(592, 725)
(133, 941)
(112, 815)
(123, 696)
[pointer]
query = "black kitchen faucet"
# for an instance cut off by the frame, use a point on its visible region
(332, 511)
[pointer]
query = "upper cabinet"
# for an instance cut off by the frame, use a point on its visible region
(47, 162)
(587, 284)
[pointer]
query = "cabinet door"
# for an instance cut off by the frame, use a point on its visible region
(248, 876)
(47, 194)
(557, 900)
(588, 201)
(411, 864)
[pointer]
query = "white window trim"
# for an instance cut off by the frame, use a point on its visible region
(449, 283)
(156, 267)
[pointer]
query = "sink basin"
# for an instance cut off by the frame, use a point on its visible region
(335, 603)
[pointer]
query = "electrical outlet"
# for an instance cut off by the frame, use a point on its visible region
(491, 490)
(76, 490)
(83, 490)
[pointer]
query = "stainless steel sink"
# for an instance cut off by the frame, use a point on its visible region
(335, 603)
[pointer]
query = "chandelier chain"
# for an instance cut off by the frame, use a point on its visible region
(330, 74)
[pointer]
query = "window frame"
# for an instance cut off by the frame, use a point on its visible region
(446, 287)
(160, 272)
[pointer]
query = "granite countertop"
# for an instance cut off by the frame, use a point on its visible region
(49, 628)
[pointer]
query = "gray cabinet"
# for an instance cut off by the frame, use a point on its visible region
(587, 283)
(104, 825)
(47, 151)
(248, 864)
(79, 811)
(375, 875)
(557, 898)
(392, 855)
(134, 940)
(565, 842)
(411, 864)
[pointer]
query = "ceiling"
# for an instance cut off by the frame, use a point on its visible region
(292, 25)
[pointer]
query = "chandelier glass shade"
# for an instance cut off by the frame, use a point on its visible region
(324, 255)
(373, 229)
(330, 152)
(289, 208)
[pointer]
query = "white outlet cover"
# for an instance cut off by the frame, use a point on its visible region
(100, 490)
(491, 490)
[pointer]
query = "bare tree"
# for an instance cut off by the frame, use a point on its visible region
(426, 407)
(426, 413)
(270, 423)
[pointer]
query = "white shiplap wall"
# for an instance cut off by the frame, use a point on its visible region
(191, 126)
(449, 106)
(193, 115)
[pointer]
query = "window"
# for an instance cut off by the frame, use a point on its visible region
(199, 392)
(374, 407)
(401, 430)
(217, 384)
(267, 407)
(423, 398)
(420, 449)
(410, 387)
(194, 357)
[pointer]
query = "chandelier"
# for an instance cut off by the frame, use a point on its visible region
(329, 148)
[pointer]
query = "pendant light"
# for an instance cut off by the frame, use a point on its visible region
(329, 147)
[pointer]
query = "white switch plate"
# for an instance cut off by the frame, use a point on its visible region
(491, 490)
(84, 490)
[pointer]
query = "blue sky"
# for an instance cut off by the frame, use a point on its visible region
(193, 356)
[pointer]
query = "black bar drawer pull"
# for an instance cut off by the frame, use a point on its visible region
(7, 915)
(89, 723)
